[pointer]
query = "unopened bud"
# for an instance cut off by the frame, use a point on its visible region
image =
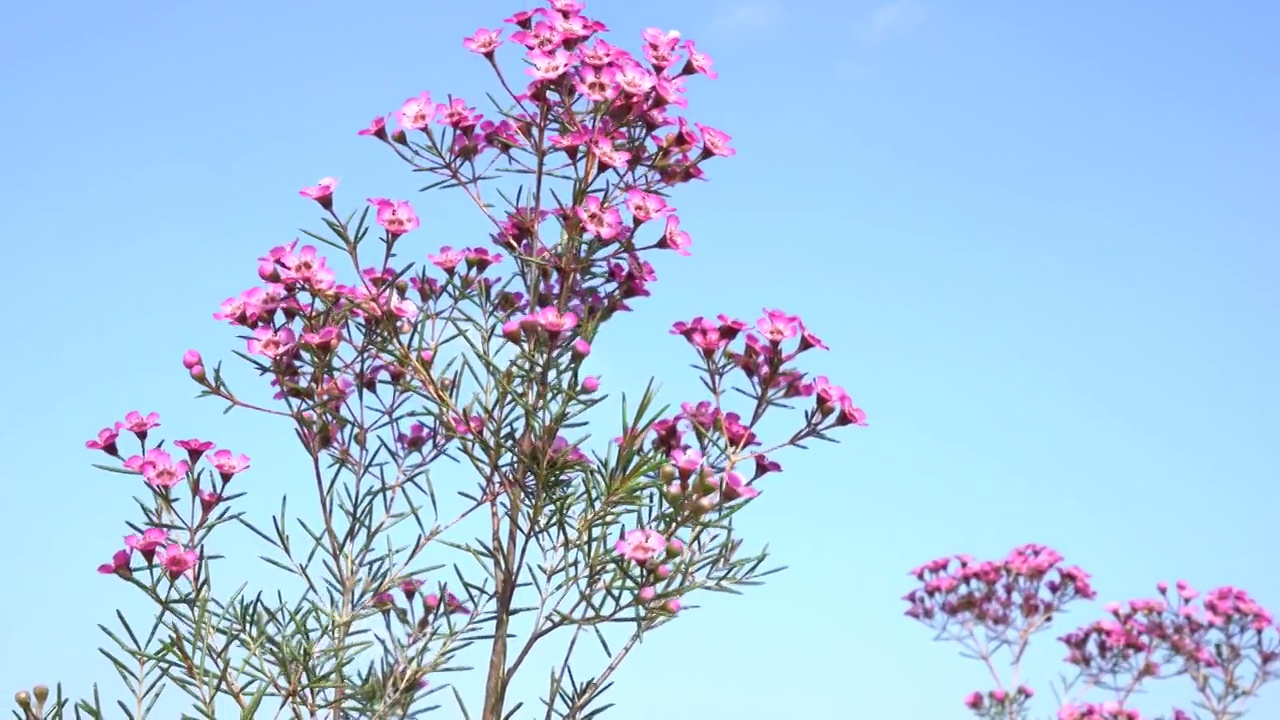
(191, 359)
(590, 384)
(23, 698)
(668, 473)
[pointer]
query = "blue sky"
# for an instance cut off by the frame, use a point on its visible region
(1040, 239)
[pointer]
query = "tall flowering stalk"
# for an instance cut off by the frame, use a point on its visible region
(388, 358)
(1224, 643)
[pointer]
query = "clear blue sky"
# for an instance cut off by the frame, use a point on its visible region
(1040, 239)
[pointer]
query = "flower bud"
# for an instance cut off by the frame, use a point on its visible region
(197, 374)
(664, 571)
(590, 384)
(23, 698)
(191, 359)
(674, 493)
(668, 473)
(41, 692)
(581, 348)
(674, 548)
(647, 593)
(672, 606)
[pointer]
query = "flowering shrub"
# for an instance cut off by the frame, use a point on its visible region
(386, 366)
(1224, 642)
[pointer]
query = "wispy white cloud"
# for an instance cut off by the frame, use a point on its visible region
(747, 15)
(896, 18)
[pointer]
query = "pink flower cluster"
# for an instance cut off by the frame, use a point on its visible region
(154, 546)
(1227, 644)
(162, 473)
(649, 550)
(1020, 592)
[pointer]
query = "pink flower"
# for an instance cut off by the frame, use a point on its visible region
(641, 546)
(673, 238)
(321, 192)
(147, 543)
(645, 206)
(448, 260)
(160, 471)
(195, 448)
(106, 442)
(483, 42)
(119, 565)
(228, 465)
(733, 487)
(410, 587)
(777, 326)
(177, 560)
(396, 216)
(377, 128)
(452, 604)
(698, 63)
(416, 112)
(603, 222)
(274, 345)
(548, 66)
(714, 142)
(208, 501)
(135, 423)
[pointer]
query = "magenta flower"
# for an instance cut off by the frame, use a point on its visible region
(307, 269)
(176, 560)
(321, 192)
(687, 461)
(715, 142)
(416, 112)
(119, 565)
(733, 487)
(377, 128)
(697, 63)
(410, 587)
(396, 216)
(147, 543)
(452, 604)
(603, 222)
(777, 326)
(106, 442)
(195, 448)
(208, 501)
(641, 546)
(160, 471)
(483, 42)
(272, 344)
(228, 465)
(646, 206)
(416, 439)
(673, 238)
(137, 424)
(548, 66)
(448, 260)
(479, 259)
